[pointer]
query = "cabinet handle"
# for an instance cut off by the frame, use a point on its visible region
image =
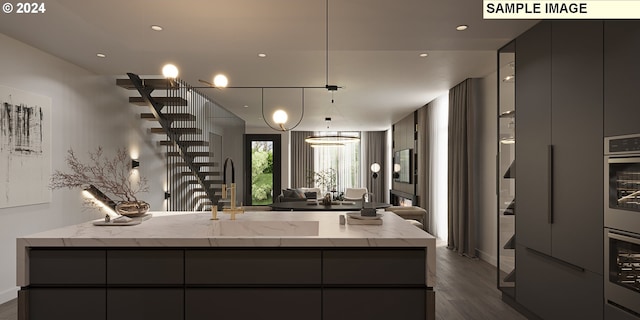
(623, 237)
(556, 260)
(498, 175)
(550, 184)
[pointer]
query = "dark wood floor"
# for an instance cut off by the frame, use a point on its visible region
(466, 289)
(9, 310)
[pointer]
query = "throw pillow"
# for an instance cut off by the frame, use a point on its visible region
(299, 193)
(289, 193)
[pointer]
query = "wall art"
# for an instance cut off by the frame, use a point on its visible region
(25, 148)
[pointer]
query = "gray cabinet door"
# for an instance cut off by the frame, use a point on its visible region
(374, 267)
(67, 267)
(621, 81)
(145, 303)
(68, 304)
(253, 303)
(242, 267)
(533, 136)
(577, 141)
(145, 267)
(554, 290)
(374, 304)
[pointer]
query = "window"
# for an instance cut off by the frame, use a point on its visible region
(343, 160)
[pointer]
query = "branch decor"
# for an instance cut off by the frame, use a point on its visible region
(112, 176)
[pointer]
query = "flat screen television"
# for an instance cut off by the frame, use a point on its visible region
(402, 165)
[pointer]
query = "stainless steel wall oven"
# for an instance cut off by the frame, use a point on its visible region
(622, 270)
(622, 183)
(622, 223)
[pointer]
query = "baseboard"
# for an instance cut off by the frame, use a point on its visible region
(8, 295)
(487, 257)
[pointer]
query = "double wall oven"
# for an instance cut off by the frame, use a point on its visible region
(622, 222)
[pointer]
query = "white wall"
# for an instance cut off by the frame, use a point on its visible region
(87, 110)
(486, 120)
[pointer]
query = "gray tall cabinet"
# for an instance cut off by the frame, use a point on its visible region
(621, 81)
(559, 98)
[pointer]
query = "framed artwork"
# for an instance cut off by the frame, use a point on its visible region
(25, 148)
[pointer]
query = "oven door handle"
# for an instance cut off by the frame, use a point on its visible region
(622, 159)
(550, 184)
(618, 236)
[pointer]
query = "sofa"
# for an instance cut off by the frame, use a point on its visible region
(416, 215)
(299, 194)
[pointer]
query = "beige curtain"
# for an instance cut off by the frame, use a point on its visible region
(423, 158)
(301, 159)
(375, 152)
(462, 224)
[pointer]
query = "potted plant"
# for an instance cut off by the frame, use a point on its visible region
(113, 176)
(325, 179)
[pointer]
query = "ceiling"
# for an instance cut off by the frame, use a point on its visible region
(372, 50)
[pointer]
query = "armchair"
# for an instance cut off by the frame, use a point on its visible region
(354, 194)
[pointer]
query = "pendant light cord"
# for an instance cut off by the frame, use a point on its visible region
(327, 41)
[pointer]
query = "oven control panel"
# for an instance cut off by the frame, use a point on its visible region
(622, 144)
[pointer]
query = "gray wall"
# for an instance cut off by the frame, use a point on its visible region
(486, 135)
(87, 111)
(403, 138)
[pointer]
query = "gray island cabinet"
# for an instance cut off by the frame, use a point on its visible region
(264, 265)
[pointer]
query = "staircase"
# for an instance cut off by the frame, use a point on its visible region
(179, 110)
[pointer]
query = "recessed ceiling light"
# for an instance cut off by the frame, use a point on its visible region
(156, 28)
(101, 55)
(246, 106)
(424, 55)
(262, 55)
(462, 27)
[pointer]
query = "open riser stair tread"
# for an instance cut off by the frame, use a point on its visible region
(167, 101)
(190, 154)
(215, 190)
(146, 83)
(199, 164)
(185, 143)
(202, 173)
(169, 116)
(177, 130)
(208, 182)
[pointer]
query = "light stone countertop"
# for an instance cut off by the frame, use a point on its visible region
(250, 229)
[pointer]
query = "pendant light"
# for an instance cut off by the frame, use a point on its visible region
(280, 116)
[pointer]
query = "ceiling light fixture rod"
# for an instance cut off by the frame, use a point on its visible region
(211, 85)
(326, 38)
(327, 86)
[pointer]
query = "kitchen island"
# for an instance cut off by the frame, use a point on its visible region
(263, 265)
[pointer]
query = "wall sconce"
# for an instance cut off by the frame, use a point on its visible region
(101, 199)
(135, 163)
(396, 171)
(375, 168)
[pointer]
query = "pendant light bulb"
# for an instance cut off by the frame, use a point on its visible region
(170, 71)
(280, 117)
(220, 81)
